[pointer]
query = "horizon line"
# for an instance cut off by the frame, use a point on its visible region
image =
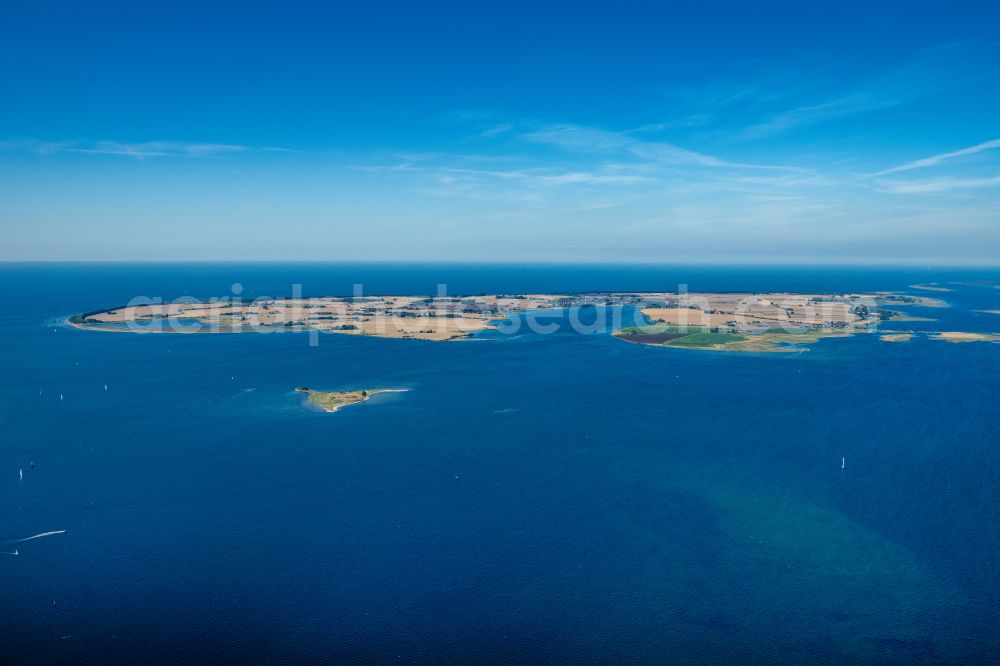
(804, 263)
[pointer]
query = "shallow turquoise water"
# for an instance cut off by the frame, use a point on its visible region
(561, 497)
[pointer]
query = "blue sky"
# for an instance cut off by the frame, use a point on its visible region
(695, 132)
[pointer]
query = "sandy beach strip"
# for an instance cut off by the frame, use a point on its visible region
(959, 337)
(929, 287)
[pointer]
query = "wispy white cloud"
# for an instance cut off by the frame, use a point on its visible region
(690, 121)
(591, 139)
(932, 71)
(536, 176)
(143, 150)
(496, 130)
(159, 149)
(578, 137)
(930, 186)
(590, 162)
(938, 159)
(36, 145)
(594, 178)
(852, 104)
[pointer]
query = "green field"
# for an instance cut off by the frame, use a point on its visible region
(677, 336)
(706, 339)
(653, 329)
(769, 340)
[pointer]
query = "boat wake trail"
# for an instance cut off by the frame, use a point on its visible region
(37, 536)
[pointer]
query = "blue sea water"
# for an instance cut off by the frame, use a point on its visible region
(565, 497)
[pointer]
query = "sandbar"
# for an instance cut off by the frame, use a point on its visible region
(929, 287)
(959, 337)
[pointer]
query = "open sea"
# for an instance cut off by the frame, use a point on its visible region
(533, 498)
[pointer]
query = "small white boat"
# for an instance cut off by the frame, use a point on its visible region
(843, 463)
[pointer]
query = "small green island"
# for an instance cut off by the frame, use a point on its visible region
(331, 401)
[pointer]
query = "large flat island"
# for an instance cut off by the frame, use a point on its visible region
(716, 321)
